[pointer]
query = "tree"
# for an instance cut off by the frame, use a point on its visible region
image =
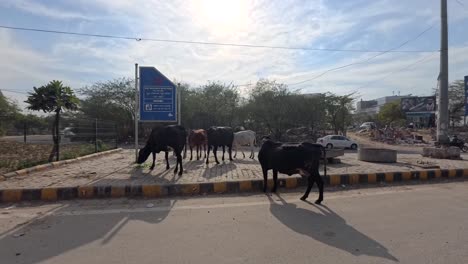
(456, 94)
(268, 108)
(391, 113)
(338, 110)
(113, 100)
(53, 97)
(8, 113)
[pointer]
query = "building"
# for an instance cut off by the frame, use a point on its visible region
(372, 107)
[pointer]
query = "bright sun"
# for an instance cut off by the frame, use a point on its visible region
(222, 16)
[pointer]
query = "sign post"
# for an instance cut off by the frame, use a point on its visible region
(466, 100)
(136, 112)
(157, 97)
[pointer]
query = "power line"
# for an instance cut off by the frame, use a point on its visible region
(396, 71)
(363, 61)
(207, 43)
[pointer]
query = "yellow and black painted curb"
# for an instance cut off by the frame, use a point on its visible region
(166, 190)
(56, 164)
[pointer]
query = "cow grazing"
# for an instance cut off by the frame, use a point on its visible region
(161, 139)
(242, 138)
(198, 139)
(219, 137)
(293, 158)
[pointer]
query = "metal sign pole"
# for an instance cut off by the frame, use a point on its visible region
(136, 112)
(179, 101)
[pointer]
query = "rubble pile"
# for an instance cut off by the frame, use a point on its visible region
(400, 136)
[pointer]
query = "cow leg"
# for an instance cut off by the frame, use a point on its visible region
(275, 181)
(252, 153)
(215, 152)
(204, 149)
(230, 152)
(167, 160)
(310, 183)
(243, 153)
(235, 153)
(208, 154)
(179, 162)
(224, 149)
(319, 181)
(265, 179)
(191, 155)
(154, 160)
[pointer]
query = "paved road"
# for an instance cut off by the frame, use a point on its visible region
(417, 224)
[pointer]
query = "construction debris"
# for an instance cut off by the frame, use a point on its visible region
(400, 136)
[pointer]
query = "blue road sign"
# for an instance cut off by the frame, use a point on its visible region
(157, 96)
(466, 95)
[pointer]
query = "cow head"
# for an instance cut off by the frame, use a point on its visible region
(143, 154)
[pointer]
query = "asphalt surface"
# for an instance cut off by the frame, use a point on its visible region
(406, 224)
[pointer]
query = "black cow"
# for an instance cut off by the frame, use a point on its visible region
(293, 158)
(161, 139)
(219, 137)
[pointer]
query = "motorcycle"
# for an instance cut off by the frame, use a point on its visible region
(459, 143)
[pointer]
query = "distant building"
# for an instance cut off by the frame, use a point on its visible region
(372, 107)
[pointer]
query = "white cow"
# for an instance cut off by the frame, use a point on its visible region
(243, 138)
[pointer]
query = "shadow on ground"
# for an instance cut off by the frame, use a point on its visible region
(327, 227)
(49, 235)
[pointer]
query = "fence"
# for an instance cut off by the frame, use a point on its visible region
(27, 143)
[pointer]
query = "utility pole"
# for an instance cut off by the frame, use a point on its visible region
(442, 120)
(136, 112)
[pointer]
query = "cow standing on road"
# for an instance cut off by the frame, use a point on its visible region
(197, 138)
(293, 158)
(219, 137)
(161, 139)
(243, 138)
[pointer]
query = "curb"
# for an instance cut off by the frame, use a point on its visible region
(55, 164)
(157, 191)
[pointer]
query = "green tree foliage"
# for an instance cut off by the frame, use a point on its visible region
(391, 114)
(113, 100)
(267, 108)
(456, 94)
(210, 105)
(53, 97)
(338, 111)
(8, 113)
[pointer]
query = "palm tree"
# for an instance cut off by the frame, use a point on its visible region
(53, 97)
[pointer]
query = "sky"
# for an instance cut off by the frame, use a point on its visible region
(31, 59)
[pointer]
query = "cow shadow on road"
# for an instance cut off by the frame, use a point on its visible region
(78, 223)
(327, 227)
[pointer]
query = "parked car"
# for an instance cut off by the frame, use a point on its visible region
(367, 125)
(337, 141)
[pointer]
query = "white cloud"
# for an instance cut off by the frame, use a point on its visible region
(33, 7)
(387, 25)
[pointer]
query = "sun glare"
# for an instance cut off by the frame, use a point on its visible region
(222, 16)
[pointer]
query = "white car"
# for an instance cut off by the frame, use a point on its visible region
(367, 125)
(337, 141)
